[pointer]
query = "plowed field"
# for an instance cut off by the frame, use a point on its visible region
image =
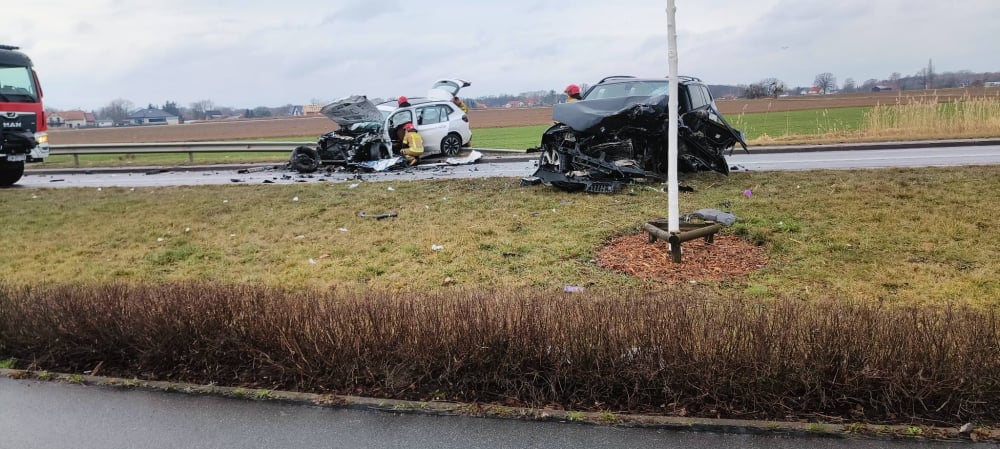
(488, 118)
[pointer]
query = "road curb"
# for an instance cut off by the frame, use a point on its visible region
(437, 408)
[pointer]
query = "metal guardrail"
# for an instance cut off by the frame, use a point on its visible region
(77, 150)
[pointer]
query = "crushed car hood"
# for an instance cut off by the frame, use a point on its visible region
(351, 110)
(584, 116)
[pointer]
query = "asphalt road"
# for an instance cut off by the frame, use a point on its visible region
(57, 415)
(931, 156)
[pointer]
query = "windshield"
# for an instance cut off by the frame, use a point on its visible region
(16, 84)
(628, 89)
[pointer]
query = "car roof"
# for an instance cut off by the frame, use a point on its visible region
(627, 78)
(414, 101)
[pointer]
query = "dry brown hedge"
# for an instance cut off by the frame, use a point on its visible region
(684, 352)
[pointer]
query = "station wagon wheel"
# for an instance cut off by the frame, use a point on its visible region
(451, 144)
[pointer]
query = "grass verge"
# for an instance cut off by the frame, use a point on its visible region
(912, 236)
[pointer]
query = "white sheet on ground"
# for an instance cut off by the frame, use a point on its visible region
(470, 159)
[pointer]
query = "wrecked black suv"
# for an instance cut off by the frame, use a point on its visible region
(618, 134)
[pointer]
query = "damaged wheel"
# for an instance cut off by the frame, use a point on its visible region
(305, 160)
(451, 145)
(552, 160)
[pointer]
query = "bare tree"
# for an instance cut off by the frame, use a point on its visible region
(767, 87)
(849, 85)
(869, 84)
(894, 80)
(825, 82)
(117, 110)
(199, 108)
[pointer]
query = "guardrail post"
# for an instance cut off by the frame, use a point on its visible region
(191, 157)
(76, 160)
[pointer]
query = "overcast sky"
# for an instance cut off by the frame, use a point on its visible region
(246, 53)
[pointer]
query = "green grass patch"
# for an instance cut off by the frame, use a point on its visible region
(799, 123)
(515, 138)
(146, 160)
(902, 235)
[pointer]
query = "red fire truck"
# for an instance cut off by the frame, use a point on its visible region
(23, 129)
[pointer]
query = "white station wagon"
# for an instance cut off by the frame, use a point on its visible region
(369, 132)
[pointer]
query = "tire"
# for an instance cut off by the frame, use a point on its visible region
(305, 160)
(451, 145)
(553, 161)
(10, 172)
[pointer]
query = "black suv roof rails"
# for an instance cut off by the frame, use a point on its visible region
(614, 77)
(8, 47)
(687, 78)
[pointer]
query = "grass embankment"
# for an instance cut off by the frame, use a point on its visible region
(908, 236)
(678, 352)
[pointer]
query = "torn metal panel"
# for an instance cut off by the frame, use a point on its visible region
(352, 110)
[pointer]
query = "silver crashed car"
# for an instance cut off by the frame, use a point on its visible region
(369, 132)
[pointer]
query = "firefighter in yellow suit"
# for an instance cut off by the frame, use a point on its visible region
(458, 102)
(413, 144)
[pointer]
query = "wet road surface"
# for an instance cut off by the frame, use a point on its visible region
(58, 415)
(520, 167)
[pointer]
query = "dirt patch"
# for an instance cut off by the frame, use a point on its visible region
(726, 259)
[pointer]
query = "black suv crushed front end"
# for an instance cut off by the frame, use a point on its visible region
(618, 134)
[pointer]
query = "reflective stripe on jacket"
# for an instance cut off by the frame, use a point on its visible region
(414, 142)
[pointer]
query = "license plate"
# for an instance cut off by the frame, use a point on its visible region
(16, 157)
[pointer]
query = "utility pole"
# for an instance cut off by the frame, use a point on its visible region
(929, 81)
(673, 212)
(673, 232)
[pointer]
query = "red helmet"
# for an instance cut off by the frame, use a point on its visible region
(403, 100)
(572, 89)
(408, 126)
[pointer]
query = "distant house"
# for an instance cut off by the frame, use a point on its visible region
(991, 84)
(213, 115)
(296, 111)
(68, 119)
(311, 109)
(882, 88)
(152, 117)
(91, 119)
(514, 104)
(106, 123)
(815, 90)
